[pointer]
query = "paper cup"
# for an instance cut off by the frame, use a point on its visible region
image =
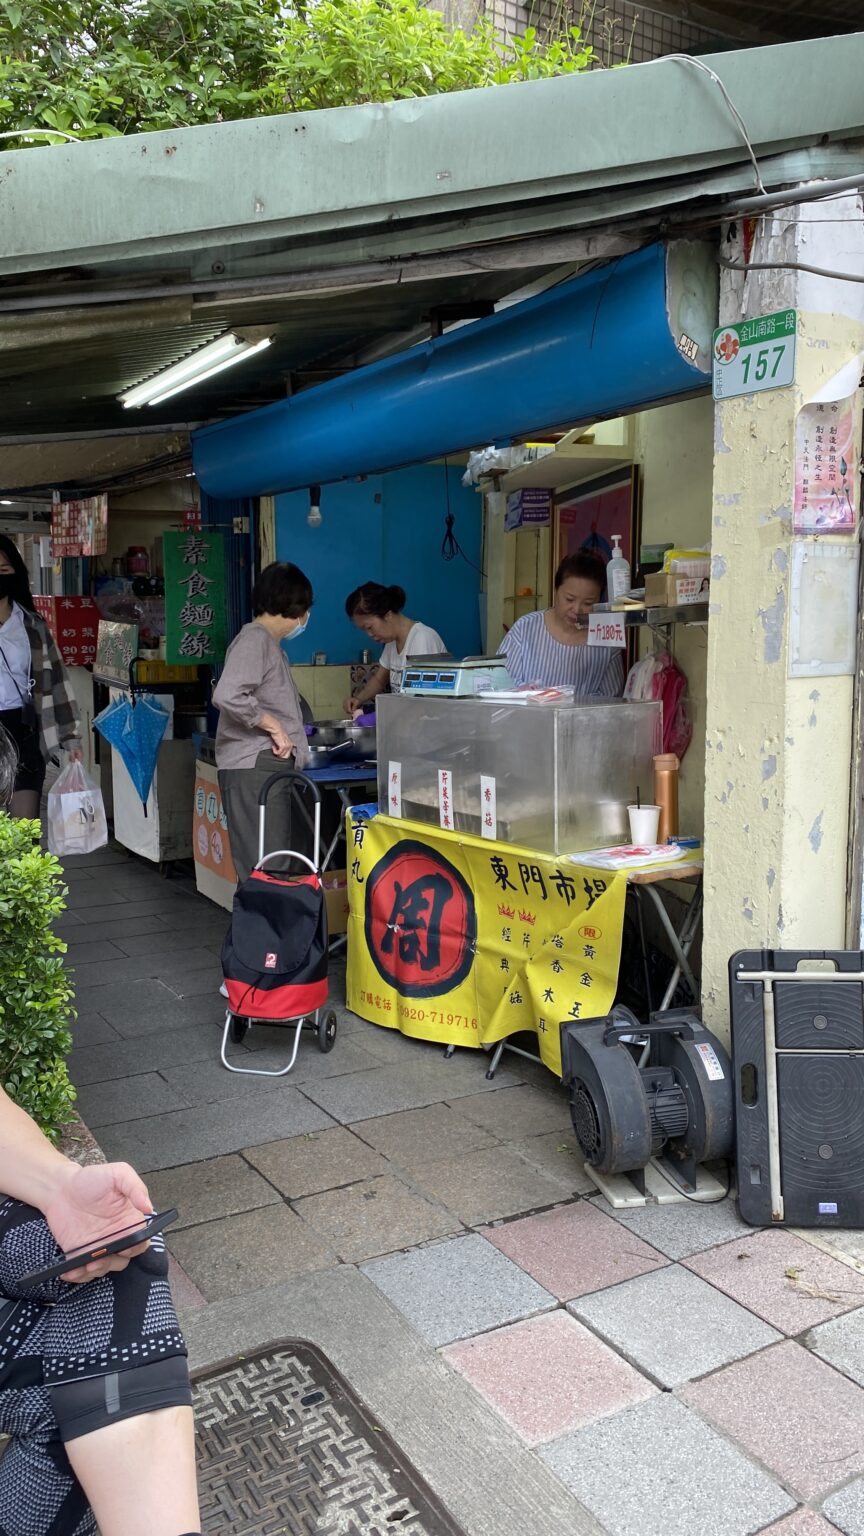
(644, 825)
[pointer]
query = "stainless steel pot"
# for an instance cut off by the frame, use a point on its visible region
(343, 741)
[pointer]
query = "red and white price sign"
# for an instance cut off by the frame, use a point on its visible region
(607, 629)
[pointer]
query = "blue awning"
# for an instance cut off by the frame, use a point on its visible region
(616, 339)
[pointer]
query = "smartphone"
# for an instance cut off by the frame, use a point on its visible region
(115, 1242)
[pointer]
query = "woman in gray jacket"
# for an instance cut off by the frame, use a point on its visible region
(260, 718)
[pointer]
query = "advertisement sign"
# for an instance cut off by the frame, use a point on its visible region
(74, 623)
(195, 618)
(531, 508)
(465, 942)
(755, 355)
(827, 456)
(79, 527)
(116, 645)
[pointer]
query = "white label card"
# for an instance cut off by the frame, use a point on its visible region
(445, 799)
(607, 629)
(488, 807)
(394, 789)
(710, 1061)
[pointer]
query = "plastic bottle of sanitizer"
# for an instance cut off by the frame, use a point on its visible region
(617, 571)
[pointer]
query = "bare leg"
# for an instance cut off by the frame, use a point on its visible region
(139, 1475)
(25, 804)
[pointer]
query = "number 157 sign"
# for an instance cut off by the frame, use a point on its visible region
(754, 355)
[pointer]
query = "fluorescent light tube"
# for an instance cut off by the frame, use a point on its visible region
(219, 354)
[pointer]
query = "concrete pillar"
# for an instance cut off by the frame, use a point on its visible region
(779, 748)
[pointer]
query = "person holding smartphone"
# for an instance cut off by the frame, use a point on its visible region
(94, 1385)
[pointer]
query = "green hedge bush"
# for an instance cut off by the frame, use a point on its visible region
(35, 992)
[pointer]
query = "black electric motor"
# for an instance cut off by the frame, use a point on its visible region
(676, 1106)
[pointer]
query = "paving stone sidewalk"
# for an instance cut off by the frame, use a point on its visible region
(550, 1365)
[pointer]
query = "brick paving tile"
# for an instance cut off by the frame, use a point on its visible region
(679, 1230)
(548, 1375)
(306, 1165)
(374, 1217)
(487, 1185)
(658, 1470)
(799, 1417)
(513, 1113)
(846, 1509)
(673, 1326)
(249, 1252)
(841, 1343)
(574, 1250)
(413, 1137)
(221, 1186)
(457, 1288)
(791, 1284)
(805, 1522)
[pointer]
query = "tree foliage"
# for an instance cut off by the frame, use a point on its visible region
(96, 68)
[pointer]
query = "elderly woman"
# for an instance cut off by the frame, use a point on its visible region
(260, 713)
(94, 1387)
(550, 648)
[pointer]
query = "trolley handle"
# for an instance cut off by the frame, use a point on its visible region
(296, 782)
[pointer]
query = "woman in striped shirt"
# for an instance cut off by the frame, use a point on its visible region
(550, 649)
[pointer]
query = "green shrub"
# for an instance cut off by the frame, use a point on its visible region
(35, 992)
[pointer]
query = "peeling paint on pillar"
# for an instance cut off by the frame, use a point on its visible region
(781, 561)
(769, 767)
(815, 834)
(773, 623)
(770, 878)
(718, 567)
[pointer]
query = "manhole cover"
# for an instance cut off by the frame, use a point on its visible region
(286, 1449)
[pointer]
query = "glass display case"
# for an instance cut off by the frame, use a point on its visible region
(555, 777)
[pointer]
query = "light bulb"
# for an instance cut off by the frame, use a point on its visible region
(314, 518)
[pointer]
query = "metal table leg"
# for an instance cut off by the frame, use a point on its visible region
(681, 942)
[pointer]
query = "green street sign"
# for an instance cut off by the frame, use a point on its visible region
(755, 355)
(195, 618)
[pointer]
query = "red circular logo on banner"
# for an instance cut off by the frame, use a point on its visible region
(421, 923)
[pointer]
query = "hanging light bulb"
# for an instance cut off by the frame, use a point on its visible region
(313, 517)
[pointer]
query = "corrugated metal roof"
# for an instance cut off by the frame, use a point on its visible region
(343, 230)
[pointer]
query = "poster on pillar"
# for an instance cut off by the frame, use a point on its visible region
(827, 454)
(466, 942)
(195, 618)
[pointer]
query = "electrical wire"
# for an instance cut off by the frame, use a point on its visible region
(451, 549)
(789, 266)
(686, 58)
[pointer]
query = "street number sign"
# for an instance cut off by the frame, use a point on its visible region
(755, 355)
(606, 629)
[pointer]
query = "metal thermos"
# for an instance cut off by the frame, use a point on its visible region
(666, 767)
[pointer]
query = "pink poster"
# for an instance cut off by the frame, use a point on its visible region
(826, 456)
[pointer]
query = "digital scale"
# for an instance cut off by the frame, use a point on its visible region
(434, 676)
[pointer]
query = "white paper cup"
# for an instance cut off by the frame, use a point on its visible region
(644, 825)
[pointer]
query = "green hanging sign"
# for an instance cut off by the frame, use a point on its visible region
(195, 617)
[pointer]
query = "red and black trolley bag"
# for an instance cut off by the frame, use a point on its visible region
(274, 958)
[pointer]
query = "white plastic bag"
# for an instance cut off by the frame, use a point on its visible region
(76, 814)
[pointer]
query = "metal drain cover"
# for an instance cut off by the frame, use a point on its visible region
(286, 1449)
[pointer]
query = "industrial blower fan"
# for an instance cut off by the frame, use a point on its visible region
(640, 1093)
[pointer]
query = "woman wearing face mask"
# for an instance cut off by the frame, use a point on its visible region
(551, 648)
(260, 719)
(377, 611)
(37, 705)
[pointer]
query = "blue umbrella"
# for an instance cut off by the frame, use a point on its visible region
(136, 730)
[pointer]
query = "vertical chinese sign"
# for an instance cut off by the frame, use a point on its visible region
(827, 454)
(195, 618)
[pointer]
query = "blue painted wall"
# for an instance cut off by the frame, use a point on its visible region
(388, 528)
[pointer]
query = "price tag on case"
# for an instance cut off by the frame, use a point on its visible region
(607, 629)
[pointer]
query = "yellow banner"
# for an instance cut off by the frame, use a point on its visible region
(466, 942)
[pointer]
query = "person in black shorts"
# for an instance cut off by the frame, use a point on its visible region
(94, 1385)
(37, 705)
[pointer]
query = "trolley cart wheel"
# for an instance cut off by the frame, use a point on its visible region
(327, 1031)
(238, 1029)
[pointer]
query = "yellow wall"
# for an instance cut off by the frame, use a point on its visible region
(674, 447)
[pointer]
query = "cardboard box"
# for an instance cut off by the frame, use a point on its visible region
(336, 898)
(666, 590)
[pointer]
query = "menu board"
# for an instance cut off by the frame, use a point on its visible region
(73, 621)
